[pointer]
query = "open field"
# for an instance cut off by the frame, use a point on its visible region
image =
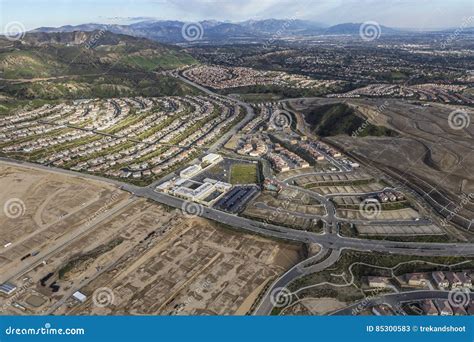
(243, 174)
(154, 260)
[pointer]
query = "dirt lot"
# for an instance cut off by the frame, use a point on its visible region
(149, 258)
(322, 166)
(355, 178)
(289, 208)
(42, 209)
(400, 214)
(397, 230)
(196, 268)
(315, 306)
(349, 189)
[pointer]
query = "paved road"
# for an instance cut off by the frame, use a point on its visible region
(317, 263)
(61, 243)
(326, 240)
(249, 116)
(394, 299)
(329, 240)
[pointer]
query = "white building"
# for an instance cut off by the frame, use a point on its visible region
(212, 158)
(190, 171)
(7, 288)
(79, 296)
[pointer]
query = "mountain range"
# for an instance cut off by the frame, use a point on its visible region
(171, 31)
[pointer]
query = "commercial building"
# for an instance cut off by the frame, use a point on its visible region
(190, 171)
(7, 288)
(194, 194)
(212, 158)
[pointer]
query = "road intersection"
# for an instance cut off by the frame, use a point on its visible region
(331, 242)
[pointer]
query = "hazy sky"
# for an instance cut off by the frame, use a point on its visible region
(423, 14)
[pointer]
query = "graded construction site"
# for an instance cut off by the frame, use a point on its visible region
(75, 240)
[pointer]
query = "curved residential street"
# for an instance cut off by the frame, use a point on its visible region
(332, 244)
